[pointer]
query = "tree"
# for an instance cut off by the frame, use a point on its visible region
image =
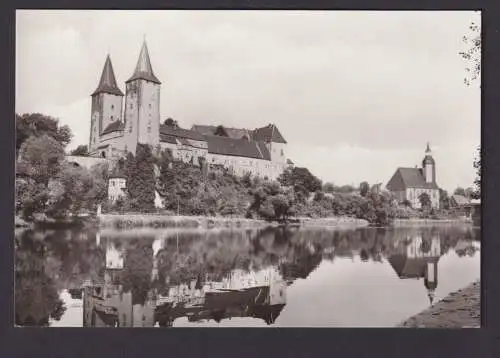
(459, 191)
(220, 131)
(364, 187)
(37, 124)
(444, 199)
(301, 180)
(137, 268)
(425, 200)
(81, 150)
(141, 179)
(469, 192)
(328, 187)
(171, 123)
(477, 181)
(40, 158)
(472, 53)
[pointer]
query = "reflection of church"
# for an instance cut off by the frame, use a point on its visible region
(417, 259)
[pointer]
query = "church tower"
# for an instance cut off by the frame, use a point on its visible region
(106, 106)
(142, 105)
(429, 166)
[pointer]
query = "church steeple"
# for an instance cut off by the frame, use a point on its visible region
(143, 69)
(107, 84)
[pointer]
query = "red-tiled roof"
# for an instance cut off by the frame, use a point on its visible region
(409, 178)
(237, 147)
(113, 127)
(107, 84)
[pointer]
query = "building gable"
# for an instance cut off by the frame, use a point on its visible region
(396, 183)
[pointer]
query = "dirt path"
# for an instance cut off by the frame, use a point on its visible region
(460, 309)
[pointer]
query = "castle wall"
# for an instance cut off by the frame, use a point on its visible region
(277, 151)
(86, 162)
(94, 123)
(242, 165)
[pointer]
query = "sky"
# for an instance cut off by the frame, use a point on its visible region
(356, 94)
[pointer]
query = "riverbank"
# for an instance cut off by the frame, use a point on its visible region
(419, 222)
(460, 309)
(127, 221)
(41, 221)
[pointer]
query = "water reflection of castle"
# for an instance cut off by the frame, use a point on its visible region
(107, 305)
(260, 294)
(418, 258)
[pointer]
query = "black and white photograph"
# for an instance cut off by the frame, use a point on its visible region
(231, 168)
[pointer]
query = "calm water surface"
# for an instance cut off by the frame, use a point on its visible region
(370, 277)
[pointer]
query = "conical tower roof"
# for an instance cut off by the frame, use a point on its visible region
(107, 84)
(143, 69)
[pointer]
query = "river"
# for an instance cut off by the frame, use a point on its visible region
(274, 277)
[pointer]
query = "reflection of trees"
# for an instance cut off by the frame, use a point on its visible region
(36, 296)
(80, 258)
(137, 269)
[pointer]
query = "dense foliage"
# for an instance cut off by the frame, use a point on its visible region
(477, 181)
(45, 182)
(81, 150)
(36, 125)
(140, 175)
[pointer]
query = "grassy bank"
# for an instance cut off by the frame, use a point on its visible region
(126, 221)
(460, 309)
(42, 221)
(419, 221)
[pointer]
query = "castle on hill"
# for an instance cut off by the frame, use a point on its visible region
(118, 126)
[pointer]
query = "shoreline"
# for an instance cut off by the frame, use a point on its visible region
(460, 309)
(154, 220)
(127, 221)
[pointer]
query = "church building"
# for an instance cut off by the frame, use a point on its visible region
(408, 184)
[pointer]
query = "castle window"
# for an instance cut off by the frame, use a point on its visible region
(150, 107)
(111, 117)
(282, 153)
(131, 106)
(112, 107)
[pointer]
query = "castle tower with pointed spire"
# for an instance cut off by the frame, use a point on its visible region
(106, 110)
(142, 105)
